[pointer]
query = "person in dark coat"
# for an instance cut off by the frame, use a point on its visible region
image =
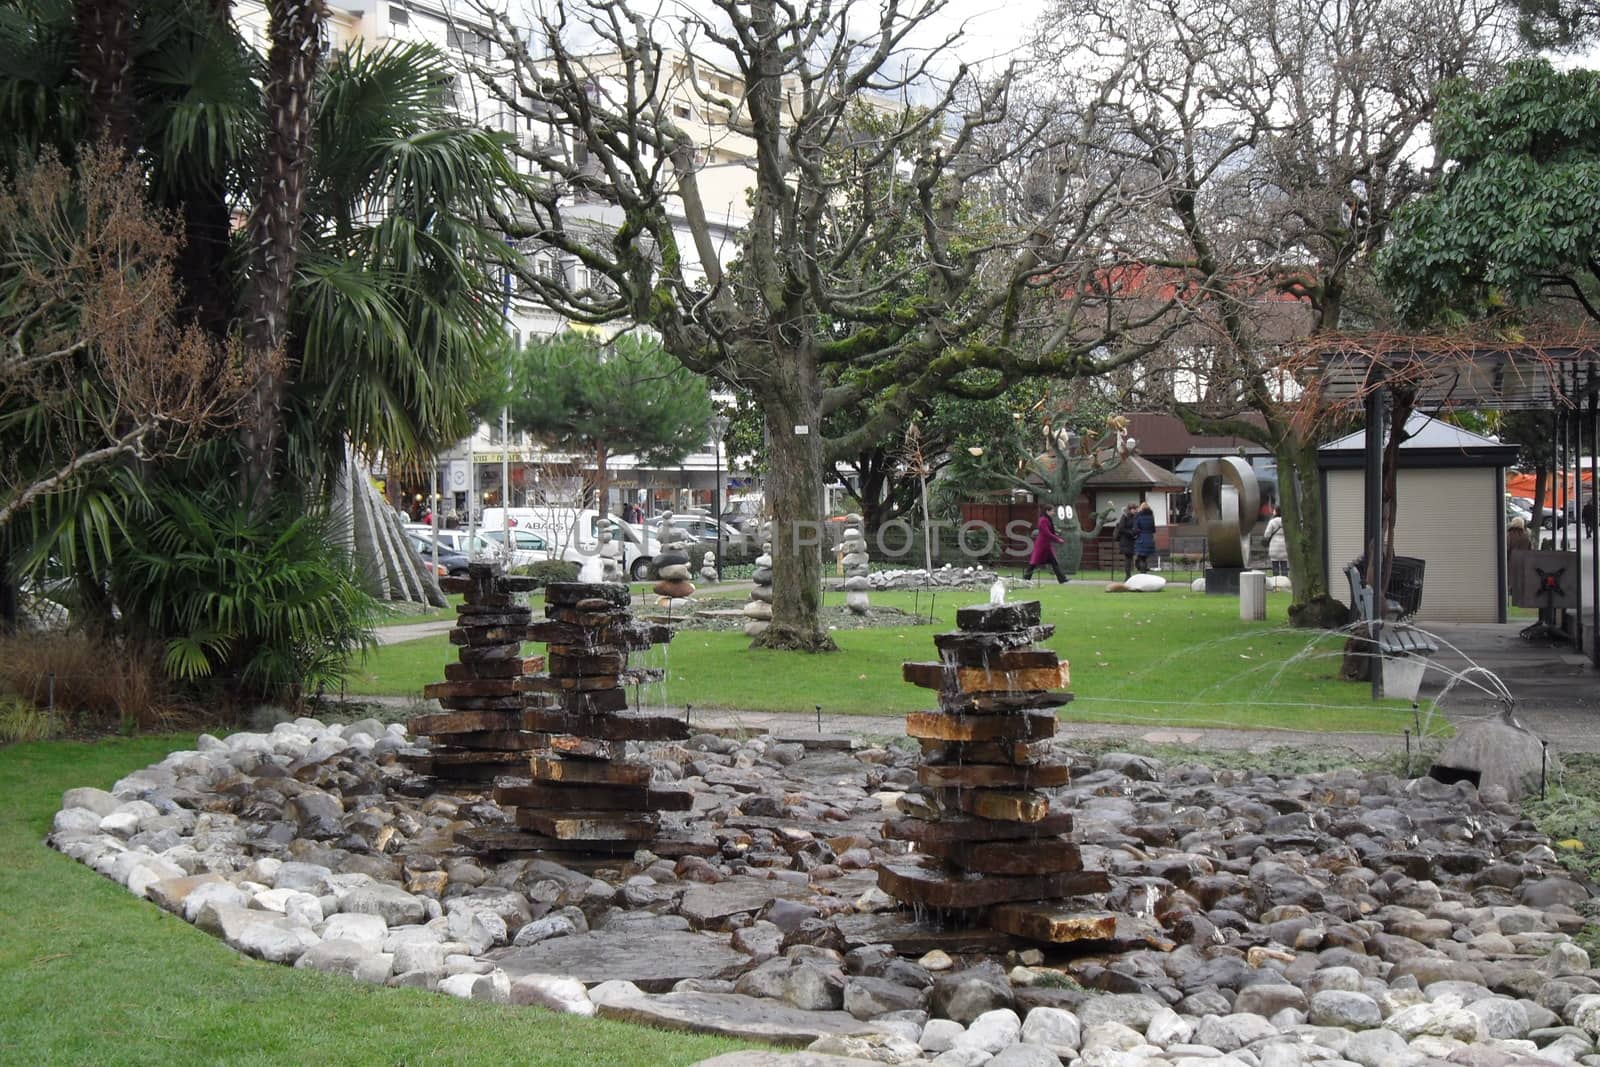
(1045, 540)
(1517, 540)
(1125, 533)
(1144, 541)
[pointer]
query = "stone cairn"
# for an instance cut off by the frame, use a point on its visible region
(579, 793)
(610, 557)
(856, 565)
(988, 847)
(758, 612)
(672, 564)
(708, 567)
(480, 734)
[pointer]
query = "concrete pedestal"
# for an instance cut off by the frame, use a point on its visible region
(1252, 596)
(1402, 676)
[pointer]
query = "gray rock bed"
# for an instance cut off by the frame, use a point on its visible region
(1337, 918)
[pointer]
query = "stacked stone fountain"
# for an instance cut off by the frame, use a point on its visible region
(580, 793)
(855, 566)
(758, 612)
(988, 845)
(479, 734)
(672, 565)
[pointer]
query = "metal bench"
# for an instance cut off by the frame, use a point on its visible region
(1394, 638)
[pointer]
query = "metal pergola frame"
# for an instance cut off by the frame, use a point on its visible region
(1563, 379)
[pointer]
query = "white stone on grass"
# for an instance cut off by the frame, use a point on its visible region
(76, 821)
(98, 801)
(352, 959)
(362, 929)
(554, 992)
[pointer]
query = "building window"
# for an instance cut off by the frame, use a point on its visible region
(399, 16)
(468, 42)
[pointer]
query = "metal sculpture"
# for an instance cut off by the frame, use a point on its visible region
(1227, 500)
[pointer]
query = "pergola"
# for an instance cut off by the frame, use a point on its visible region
(1441, 375)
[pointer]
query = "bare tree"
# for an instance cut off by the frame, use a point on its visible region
(966, 243)
(1285, 136)
(94, 370)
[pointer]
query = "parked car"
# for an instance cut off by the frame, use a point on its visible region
(453, 562)
(738, 546)
(475, 546)
(1515, 510)
(518, 548)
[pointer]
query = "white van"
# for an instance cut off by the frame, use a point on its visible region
(573, 534)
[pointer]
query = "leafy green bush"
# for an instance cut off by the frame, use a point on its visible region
(548, 570)
(257, 595)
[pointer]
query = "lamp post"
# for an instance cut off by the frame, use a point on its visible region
(719, 426)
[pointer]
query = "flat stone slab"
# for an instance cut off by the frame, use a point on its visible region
(818, 742)
(710, 905)
(728, 1014)
(913, 938)
(653, 960)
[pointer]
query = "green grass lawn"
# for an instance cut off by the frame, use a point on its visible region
(401, 614)
(1174, 658)
(89, 974)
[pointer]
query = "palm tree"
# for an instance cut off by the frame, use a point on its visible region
(391, 326)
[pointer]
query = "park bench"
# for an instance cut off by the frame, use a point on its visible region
(1396, 638)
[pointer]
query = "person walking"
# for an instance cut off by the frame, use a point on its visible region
(1043, 552)
(1144, 541)
(1277, 544)
(1125, 532)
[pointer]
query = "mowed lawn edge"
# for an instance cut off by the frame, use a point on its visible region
(1175, 658)
(90, 974)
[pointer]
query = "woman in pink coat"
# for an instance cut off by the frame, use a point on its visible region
(1045, 539)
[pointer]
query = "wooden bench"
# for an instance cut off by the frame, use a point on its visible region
(1395, 638)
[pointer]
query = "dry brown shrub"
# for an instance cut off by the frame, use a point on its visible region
(103, 685)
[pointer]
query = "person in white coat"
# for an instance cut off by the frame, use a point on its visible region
(1277, 544)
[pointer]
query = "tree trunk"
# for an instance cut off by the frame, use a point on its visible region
(295, 27)
(105, 54)
(794, 483)
(1300, 497)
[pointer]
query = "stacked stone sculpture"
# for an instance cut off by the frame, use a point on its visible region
(708, 567)
(579, 792)
(610, 557)
(855, 566)
(479, 734)
(758, 612)
(988, 845)
(672, 564)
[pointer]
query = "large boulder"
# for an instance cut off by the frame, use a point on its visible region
(1501, 752)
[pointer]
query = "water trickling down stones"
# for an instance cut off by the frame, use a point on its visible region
(987, 839)
(480, 734)
(579, 792)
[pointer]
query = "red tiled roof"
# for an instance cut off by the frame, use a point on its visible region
(1164, 436)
